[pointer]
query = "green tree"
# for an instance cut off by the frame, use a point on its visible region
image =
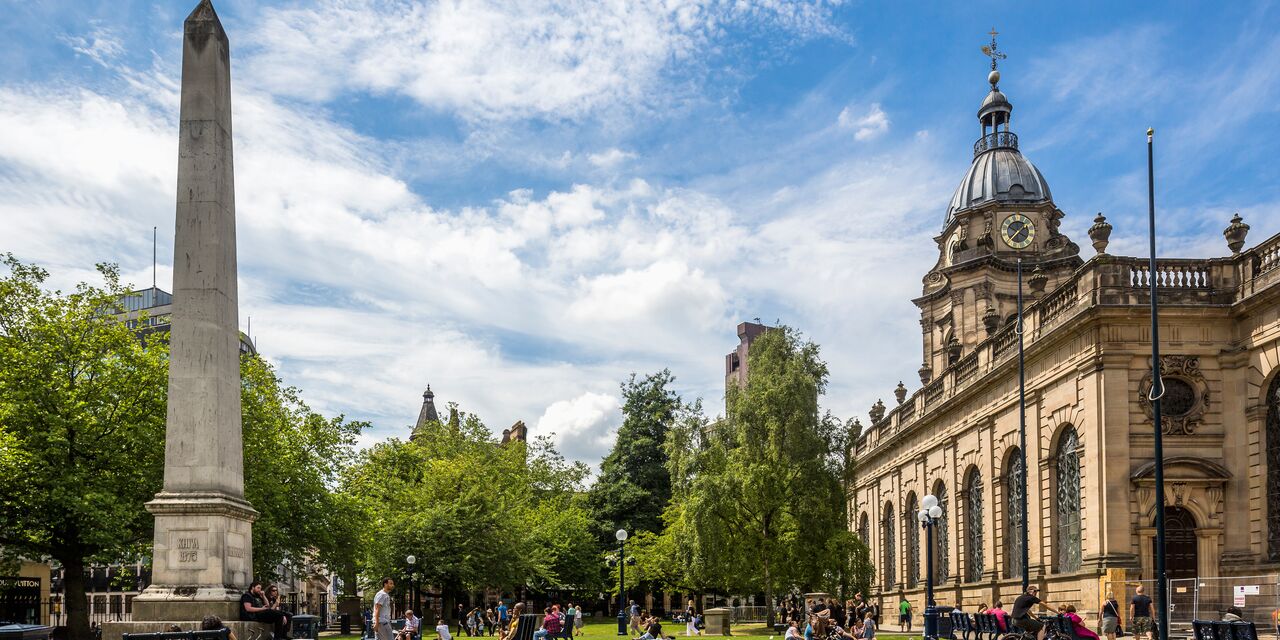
(82, 434)
(474, 513)
(82, 406)
(759, 495)
(634, 485)
(293, 458)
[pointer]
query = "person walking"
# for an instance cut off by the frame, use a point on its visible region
(1110, 622)
(460, 614)
(502, 617)
(904, 616)
(382, 611)
(689, 629)
(1140, 614)
(570, 618)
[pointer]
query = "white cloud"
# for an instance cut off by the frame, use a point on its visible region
(493, 60)
(583, 426)
(872, 123)
(610, 158)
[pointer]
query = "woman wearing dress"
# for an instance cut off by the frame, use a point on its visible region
(689, 628)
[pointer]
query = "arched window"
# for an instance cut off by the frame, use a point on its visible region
(911, 530)
(1273, 470)
(941, 570)
(864, 529)
(1013, 492)
(1067, 501)
(973, 525)
(887, 543)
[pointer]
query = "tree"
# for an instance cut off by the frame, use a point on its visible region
(759, 502)
(293, 458)
(475, 513)
(634, 485)
(82, 436)
(82, 410)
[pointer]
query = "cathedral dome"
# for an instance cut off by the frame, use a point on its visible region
(999, 172)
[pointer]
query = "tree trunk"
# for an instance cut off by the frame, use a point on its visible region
(768, 594)
(77, 603)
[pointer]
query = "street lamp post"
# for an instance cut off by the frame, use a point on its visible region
(928, 516)
(413, 593)
(621, 535)
(1157, 391)
(1022, 439)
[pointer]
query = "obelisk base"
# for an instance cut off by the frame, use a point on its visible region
(202, 558)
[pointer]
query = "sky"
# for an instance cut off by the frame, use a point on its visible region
(523, 203)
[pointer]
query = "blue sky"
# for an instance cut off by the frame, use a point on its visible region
(522, 203)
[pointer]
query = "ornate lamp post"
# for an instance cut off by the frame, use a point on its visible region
(621, 535)
(928, 516)
(413, 592)
(1157, 391)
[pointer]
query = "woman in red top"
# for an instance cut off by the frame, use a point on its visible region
(1077, 625)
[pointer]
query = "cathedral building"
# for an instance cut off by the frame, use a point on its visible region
(1089, 431)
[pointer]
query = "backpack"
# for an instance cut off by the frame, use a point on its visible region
(552, 623)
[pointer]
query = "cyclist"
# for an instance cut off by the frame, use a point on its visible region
(1022, 615)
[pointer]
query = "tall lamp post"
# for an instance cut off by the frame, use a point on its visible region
(413, 593)
(1157, 391)
(621, 535)
(1022, 438)
(928, 516)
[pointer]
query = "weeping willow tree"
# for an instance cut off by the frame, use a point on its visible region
(758, 500)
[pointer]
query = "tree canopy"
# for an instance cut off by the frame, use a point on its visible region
(759, 503)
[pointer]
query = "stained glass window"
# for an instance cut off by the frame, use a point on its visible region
(1273, 470)
(864, 529)
(1068, 502)
(973, 526)
(911, 527)
(890, 553)
(1013, 492)
(941, 570)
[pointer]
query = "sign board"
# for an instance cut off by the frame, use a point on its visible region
(1251, 589)
(1238, 600)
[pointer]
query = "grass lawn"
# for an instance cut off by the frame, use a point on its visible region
(600, 629)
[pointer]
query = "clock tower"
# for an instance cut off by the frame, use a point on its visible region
(1001, 213)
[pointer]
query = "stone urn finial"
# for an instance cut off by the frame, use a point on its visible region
(1100, 233)
(900, 392)
(954, 349)
(877, 412)
(926, 373)
(1235, 233)
(1037, 281)
(991, 320)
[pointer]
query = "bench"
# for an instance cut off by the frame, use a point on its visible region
(1222, 630)
(985, 624)
(216, 634)
(961, 622)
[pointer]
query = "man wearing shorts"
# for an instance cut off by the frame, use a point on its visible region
(1140, 613)
(1024, 618)
(904, 615)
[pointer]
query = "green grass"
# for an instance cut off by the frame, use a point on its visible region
(600, 629)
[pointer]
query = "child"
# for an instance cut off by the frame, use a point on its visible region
(869, 627)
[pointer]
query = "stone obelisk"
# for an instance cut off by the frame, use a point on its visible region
(203, 555)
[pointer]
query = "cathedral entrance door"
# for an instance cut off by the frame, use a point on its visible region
(1180, 557)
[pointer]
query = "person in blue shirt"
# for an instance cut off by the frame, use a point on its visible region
(502, 615)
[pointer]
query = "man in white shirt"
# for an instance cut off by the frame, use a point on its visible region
(442, 630)
(382, 611)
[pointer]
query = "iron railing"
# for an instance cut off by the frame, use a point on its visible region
(999, 139)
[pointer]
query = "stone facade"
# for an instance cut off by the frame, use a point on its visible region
(1089, 429)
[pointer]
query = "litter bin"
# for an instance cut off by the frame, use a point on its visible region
(344, 623)
(306, 626)
(944, 622)
(25, 632)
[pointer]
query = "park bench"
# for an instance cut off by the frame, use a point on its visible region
(962, 623)
(985, 626)
(215, 634)
(1222, 630)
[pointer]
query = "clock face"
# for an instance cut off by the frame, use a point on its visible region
(1018, 231)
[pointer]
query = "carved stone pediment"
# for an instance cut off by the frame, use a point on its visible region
(1186, 396)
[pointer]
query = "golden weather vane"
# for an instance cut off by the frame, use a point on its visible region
(991, 51)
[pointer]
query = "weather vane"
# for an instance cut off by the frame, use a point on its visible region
(991, 51)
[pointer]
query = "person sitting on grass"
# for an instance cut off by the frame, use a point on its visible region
(793, 631)
(442, 630)
(869, 627)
